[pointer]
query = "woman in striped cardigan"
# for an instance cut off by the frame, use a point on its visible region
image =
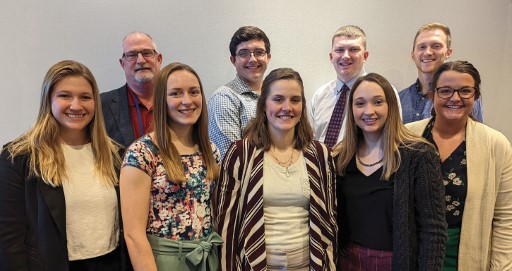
(276, 195)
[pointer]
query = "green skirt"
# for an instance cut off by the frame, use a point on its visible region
(201, 254)
(452, 250)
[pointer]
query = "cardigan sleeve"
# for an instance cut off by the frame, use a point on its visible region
(429, 198)
(332, 252)
(501, 242)
(12, 214)
(227, 206)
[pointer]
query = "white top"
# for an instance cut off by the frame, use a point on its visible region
(323, 102)
(286, 196)
(91, 207)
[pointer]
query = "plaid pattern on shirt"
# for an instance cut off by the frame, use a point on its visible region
(230, 109)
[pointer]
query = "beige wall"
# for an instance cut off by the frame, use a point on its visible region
(36, 34)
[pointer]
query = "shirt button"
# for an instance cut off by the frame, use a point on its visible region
(417, 114)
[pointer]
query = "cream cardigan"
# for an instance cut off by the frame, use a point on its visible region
(486, 232)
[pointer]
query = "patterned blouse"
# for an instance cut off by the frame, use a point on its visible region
(177, 211)
(454, 171)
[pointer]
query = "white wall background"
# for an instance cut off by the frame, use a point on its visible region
(36, 34)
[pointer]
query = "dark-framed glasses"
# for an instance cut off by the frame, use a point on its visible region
(447, 92)
(258, 53)
(146, 54)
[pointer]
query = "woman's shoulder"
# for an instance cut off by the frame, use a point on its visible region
(5, 153)
(416, 148)
(143, 143)
(479, 129)
(317, 145)
(483, 138)
(318, 151)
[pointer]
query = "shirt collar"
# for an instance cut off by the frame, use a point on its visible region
(349, 83)
(131, 96)
(417, 87)
(243, 87)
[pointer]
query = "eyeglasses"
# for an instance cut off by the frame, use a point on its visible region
(146, 54)
(258, 53)
(447, 92)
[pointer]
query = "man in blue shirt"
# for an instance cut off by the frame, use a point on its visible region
(233, 105)
(431, 48)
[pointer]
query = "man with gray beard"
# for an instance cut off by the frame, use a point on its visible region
(128, 110)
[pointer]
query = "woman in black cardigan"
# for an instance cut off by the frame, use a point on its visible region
(390, 190)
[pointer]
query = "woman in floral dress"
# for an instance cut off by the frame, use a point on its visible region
(167, 180)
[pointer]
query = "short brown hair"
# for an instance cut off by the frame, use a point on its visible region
(433, 26)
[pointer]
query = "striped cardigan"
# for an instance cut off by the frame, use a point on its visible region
(239, 218)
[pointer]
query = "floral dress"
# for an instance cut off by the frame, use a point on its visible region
(454, 171)
(177, 211)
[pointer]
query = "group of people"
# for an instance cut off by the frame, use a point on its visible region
(156, 178)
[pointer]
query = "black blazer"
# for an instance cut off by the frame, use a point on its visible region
(116, 113)
(33, 220)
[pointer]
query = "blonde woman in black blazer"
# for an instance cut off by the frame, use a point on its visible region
(58, 182)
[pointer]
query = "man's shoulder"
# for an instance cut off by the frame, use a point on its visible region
(113, 93)
(323, 91)
(232, 93)
(327, 86)
(408, 90)
(224, 90)
(234, 87)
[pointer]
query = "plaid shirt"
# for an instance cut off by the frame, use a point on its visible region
(230, 109)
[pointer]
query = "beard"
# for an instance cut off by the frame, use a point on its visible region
(144, 76)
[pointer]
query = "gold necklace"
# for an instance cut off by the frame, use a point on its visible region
(368, 165)
(285, 164)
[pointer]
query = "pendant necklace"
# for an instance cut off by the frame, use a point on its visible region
(285, 164)
(368, 165)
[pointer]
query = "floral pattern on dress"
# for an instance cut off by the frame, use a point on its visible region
(177, 211)
(454, 171)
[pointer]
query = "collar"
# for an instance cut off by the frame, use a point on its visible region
(417, 87)
(349, 83)
(131, 96)
(242, 86)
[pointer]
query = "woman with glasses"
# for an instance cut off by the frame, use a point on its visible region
(390, 190)
(167, 181)
(58, 182)
(276, 207)
(476, 163)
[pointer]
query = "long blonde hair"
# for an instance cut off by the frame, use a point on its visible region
(394, 133)
(168, 152)
(43, 142)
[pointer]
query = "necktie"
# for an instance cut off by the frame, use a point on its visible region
(334, 127)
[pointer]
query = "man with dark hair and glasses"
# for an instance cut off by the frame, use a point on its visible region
(431, 48)
(233, 105)
(128, 109)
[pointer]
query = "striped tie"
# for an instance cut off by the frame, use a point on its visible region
(334, 127)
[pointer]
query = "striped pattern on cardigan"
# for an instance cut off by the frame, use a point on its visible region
(239, 213)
